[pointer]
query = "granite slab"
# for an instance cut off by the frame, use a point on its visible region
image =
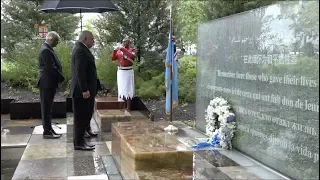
(17, 140)
(52, 168)
(45, 151)
(154, 151)
(109, 103)
(107, 117)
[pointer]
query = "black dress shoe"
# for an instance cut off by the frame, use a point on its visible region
(56, 133)
(50, 135)
(86, 135)
(84, 148)
(89, 144)
(92, 134)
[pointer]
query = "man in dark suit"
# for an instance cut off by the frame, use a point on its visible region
(83, 89)
(50, 75)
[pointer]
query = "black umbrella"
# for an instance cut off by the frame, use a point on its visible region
(77, 6)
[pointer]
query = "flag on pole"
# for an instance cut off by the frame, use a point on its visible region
(171, 76)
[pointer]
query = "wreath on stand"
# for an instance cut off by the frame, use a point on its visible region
(220, 125)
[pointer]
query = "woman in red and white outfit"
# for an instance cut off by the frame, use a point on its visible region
(125, 75)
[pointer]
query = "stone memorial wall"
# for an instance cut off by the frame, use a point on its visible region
(265, 62)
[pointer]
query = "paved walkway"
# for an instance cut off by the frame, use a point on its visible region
(26, 155)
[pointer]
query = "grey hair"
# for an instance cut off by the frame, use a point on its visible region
(84, 34)
(51, 35)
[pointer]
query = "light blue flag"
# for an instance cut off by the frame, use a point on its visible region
(171, 60)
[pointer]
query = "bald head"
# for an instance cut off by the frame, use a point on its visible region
(86, 37)
(52, 38)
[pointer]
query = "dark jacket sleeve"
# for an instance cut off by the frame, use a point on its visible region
(81, 66)
(51, 65)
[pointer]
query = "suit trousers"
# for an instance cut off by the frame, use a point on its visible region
(46, 98)
(90, 113)
(82, 113)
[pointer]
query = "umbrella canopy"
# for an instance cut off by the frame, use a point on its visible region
(77, 6)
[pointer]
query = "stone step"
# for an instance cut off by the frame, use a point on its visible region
(134, 127)
(109, 103)
(153, 152)
(142, 145)
(105, 117)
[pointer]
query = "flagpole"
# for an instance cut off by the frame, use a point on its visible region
(171, 58)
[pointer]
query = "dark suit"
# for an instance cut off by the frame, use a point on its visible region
(50, 75)
(84, 77)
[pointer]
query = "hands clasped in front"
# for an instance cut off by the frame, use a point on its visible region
(86, 95)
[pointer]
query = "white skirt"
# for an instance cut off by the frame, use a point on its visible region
(125, 81)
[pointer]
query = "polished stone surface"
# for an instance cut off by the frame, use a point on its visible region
(43, 151)
(109, 103)
(265, 63)
(110, 165)
(202, 169)
(16, 130)
(190, 141)
(109, 144)
(80, 165)
(8, 168)
(92, 177)
(238, 158)
(59, 128)
(238, 172)
(115, 177)
(107, 117)
(37, 139)
(4, 122)
(137, 114)
(189, 132)
(12, 153)
(57, 159)
(53, 168)
(154, 151)
(26, 122)
(100, 149)
(264, 173)
(5, 116)
(216, 158)
(69, 120)
(170, 174)
(17, 140)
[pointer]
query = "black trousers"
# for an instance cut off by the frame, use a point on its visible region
(46, 98)
(82, 113)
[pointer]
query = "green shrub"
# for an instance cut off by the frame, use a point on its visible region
(187, 79)
(21, 67)
(107, 69)
(64, 52)
(150, 83)
(150, 89)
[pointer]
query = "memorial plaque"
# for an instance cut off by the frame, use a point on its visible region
(265, 62)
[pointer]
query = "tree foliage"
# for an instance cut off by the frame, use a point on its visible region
(20, 16)
(189, 14)
(145, 22)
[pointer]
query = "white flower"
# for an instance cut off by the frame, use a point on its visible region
(223, 119)
(223, 102)
(223, 144)
(220, 108)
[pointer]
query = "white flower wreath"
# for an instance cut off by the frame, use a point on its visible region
(220, 123)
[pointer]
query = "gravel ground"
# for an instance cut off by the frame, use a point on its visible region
(184, 112)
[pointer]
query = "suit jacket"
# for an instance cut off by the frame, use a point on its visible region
(50, 70)
(84, 72)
